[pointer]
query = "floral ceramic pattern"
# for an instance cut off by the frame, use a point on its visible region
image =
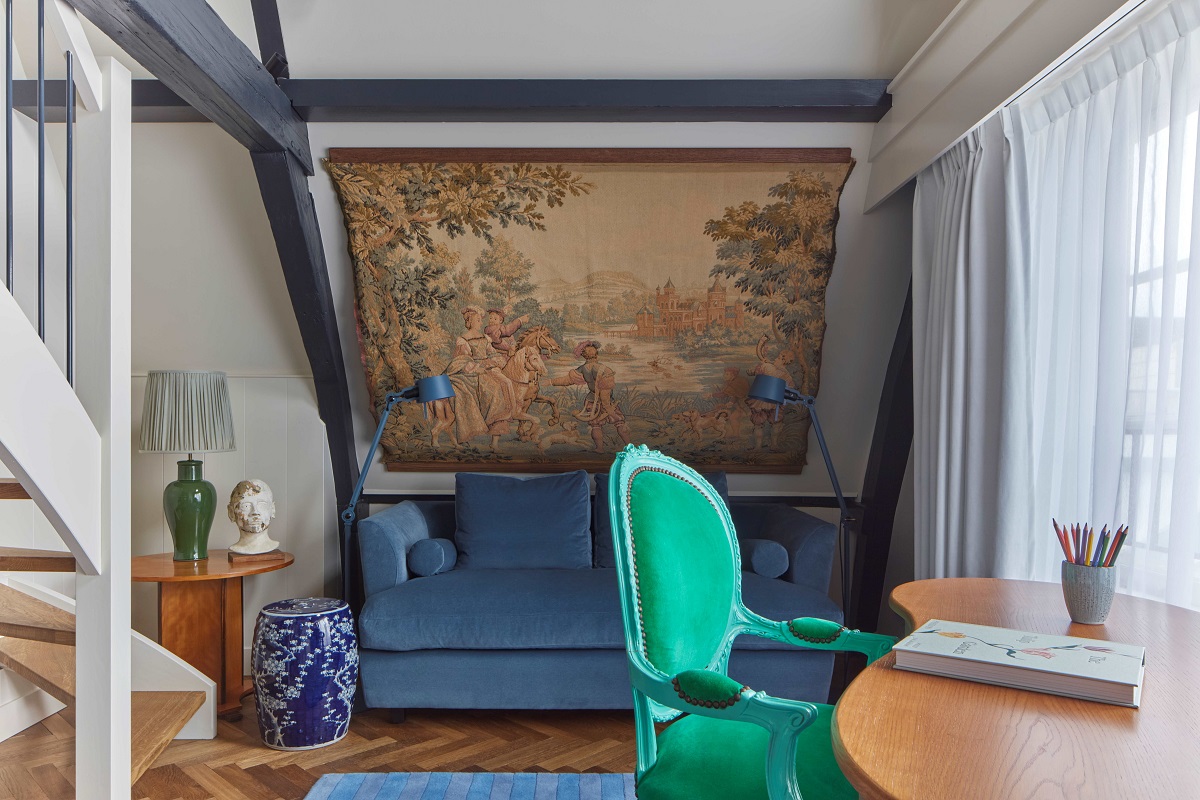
(305, 663)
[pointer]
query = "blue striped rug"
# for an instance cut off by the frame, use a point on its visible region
(472, 786)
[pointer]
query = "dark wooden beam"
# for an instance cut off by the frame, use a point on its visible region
(378, 100)
(187, 46)
(283, 183)
(886, 466)
(152, 102)
(270, 35)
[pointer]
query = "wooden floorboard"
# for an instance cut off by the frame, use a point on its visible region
(39, 762)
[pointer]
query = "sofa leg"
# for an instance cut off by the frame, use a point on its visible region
(396, 716)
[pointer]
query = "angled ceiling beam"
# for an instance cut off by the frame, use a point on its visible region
(270, 36)
(283, 183)
(386, 100)
(187, 46)
(886, 466)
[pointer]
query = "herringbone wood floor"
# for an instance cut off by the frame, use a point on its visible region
(39, 764)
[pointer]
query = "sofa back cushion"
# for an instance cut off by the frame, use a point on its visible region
(603, 554)
(514, 523)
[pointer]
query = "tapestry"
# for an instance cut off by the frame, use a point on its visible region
(580, 300)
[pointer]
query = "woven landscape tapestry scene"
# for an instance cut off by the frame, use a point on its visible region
(578, 306)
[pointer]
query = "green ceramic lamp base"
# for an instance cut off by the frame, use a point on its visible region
(190, 504)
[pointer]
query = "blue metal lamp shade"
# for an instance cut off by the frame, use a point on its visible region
(769, 389)
(425, 390)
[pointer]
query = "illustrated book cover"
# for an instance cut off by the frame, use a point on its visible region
(1088, 669)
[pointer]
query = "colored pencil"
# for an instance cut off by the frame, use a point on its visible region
(1120, 543)
(1062, 540)
(1075, 543)
(1087, 553)
(1098, 558)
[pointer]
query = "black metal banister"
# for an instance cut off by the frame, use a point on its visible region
(8, 142)
(70, 221)
(67, 99)
(41, 129)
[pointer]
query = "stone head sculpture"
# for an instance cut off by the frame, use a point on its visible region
(252, 507)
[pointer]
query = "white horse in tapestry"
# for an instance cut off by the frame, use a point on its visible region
(524, 368)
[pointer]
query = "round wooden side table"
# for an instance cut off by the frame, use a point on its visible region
(200, 615)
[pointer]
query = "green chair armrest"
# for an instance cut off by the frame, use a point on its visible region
(712, 694)
(820, 634)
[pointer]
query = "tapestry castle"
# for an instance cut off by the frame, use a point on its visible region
(673, 315)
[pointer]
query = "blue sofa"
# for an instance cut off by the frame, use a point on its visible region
(553, 638)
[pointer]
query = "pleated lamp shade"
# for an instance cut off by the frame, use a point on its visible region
(187, 412)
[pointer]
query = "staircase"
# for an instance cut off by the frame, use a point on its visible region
(37, 642)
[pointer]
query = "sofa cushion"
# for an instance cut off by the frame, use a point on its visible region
(764, 557)
(603, 554)
(515, 523)
(542, 609)
(430, 556)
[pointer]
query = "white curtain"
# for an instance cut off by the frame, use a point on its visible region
(1099, 345)
(958, 307)
(1104, 346)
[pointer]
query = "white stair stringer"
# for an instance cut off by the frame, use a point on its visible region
(154, 669)
(47, 439)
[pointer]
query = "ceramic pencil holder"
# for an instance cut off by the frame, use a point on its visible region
(1088, 592)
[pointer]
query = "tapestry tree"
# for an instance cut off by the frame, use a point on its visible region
(781, 255)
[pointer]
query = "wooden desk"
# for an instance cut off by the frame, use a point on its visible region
(200, 615)
(906, 735)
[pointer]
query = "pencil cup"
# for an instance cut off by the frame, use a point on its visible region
(1088, 592)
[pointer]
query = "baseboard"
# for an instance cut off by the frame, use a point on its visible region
(22, 704)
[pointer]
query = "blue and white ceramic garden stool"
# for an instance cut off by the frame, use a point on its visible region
(305, 663)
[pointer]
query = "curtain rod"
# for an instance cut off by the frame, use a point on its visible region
(1070, 56)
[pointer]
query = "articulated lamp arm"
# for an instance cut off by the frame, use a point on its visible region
(770, 389)
(426, 390)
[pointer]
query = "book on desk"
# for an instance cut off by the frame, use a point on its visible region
(1087, 669)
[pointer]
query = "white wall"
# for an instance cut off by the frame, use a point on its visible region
(209, 294)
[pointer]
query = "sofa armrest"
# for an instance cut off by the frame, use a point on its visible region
(383, 542)
(809, 542)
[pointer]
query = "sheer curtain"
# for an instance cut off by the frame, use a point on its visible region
(1089, 408)
(1103, 345)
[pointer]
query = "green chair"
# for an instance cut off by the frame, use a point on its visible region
(680, 572)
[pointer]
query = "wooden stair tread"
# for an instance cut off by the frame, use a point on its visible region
(25, 617)
(11, 490)
(50, 667)
(22, 559)
(155, 718)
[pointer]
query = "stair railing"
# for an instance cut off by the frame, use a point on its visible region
(69, 102)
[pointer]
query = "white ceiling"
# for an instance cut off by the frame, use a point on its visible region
(572, 38)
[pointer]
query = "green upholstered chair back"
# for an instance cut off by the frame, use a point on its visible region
(678, 562)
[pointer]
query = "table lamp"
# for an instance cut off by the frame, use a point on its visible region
(770, 389)
(425, 390)
(188, 412)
